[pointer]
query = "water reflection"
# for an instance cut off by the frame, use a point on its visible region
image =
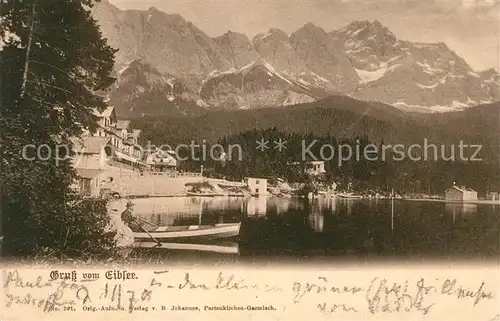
(315, 208)
(331, 227)
(317, 220)
(256, 206)
(171, 205)
(216, 247)
(460, 209)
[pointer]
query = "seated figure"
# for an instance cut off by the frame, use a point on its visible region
(129, 219)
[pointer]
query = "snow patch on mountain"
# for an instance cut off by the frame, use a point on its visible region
(457, 105)
(357, 48)
(355, 32)
(263, 36)
(274, 72)
(323, 79)
(454, 106)
(376, 72)
(248, 66)
(170, 82)
(124, 67)
(296, 98)
(428, 69)
(286, 45)
(216, 73)
(369, 76)
(394, 67)
(429, 86)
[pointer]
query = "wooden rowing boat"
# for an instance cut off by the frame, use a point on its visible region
(188, 233)
(230, 248)
(349, 195)
(203, 194)
(237, 194)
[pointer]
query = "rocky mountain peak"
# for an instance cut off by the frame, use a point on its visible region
(164, 56)
(310, 28)
(323, 56)
(309, 33)
(275, 48)
(274, 34)
(232, 38)
(369, 30)
(237, 48)
(276, 31)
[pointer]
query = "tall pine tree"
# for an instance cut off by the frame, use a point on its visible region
(54, 60)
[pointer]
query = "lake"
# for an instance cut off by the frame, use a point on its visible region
(281, 229)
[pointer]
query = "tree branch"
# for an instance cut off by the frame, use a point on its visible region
(28, 50)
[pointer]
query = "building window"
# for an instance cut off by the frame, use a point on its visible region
(257, 182)
(257, 190)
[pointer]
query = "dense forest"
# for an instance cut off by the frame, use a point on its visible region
(341, 120)
(338, 116)
(370, 172)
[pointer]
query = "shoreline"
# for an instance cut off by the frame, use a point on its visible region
(485, 202)
(131, 197)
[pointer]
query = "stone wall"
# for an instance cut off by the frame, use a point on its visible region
(129, 183)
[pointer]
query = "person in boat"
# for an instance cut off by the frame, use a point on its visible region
(128, 218)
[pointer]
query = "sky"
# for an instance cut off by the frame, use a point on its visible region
(469, 27)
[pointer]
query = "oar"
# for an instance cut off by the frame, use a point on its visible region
(151, 236)
(147, 222)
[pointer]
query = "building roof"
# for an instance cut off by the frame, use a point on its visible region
(167, 154)
(112, 130)
(90, 144)
(105, 113)
(126, 157)
(87, 173)
(256, 178)
(460, 189)
(122, 124)
(108, 112)
(136, 132)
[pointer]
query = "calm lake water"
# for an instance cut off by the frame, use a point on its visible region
(327, 229)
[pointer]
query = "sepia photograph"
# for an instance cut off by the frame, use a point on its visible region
(270, 135)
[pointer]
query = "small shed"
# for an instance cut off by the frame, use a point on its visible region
(456, 193)
(257, 186)
(493, 196)
(89, 181)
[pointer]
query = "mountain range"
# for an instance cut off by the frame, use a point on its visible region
(165, 65)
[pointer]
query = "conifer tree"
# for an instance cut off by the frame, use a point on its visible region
(54, 61)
